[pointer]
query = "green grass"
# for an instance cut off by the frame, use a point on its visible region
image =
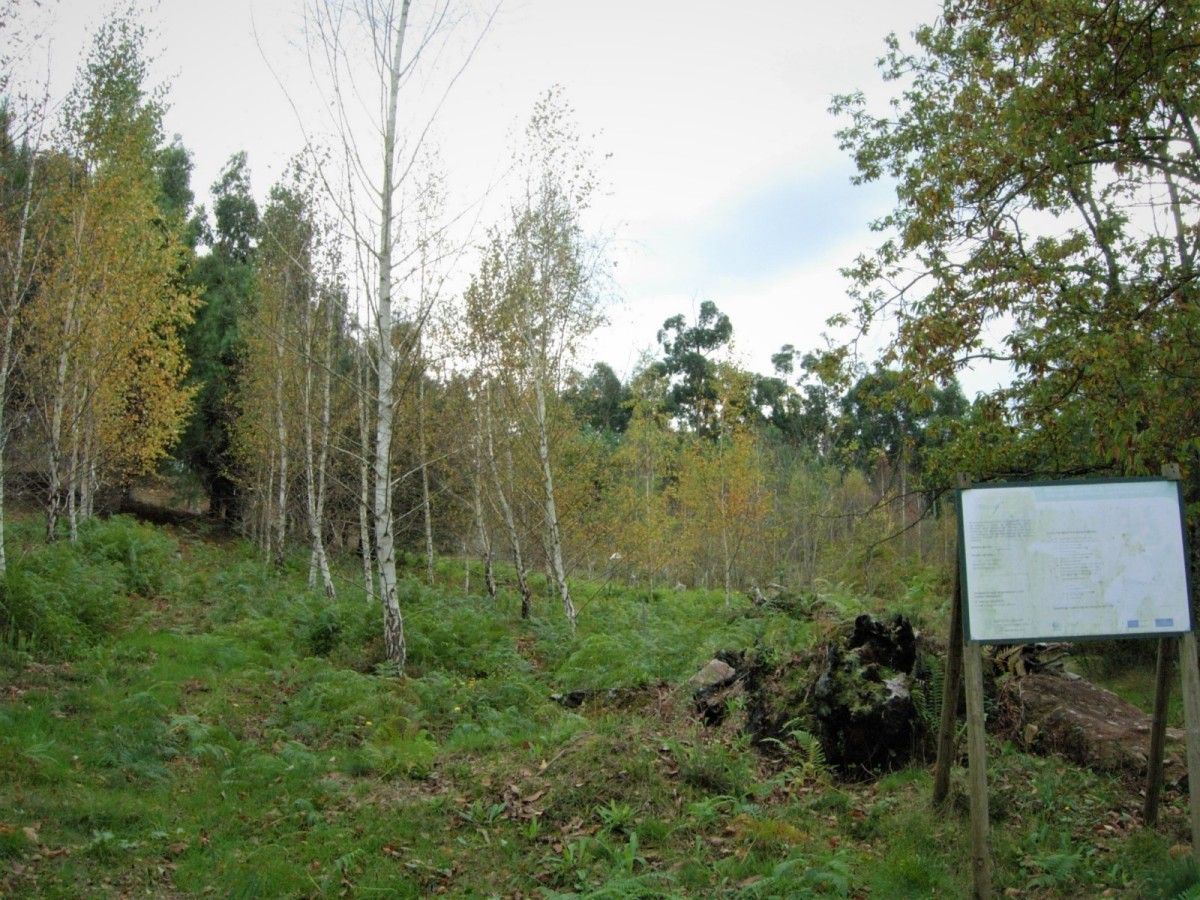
(217, 729)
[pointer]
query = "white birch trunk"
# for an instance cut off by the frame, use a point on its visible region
(364, 484)
(323, 452)
(58, 408)
(553, 537)
(426, 506)
(506, 512)
(314, 467)
(280, 523)
(385, 549)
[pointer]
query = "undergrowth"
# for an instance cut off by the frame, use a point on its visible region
(176, 718)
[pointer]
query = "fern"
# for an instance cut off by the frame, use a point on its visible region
(927, 693)
(805, 748)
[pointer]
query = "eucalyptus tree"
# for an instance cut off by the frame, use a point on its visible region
(688, 362)
(600, 400)
(215, 344)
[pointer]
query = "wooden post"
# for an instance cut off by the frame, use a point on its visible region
(981, 863)
(950, 690)
(950, 687)
(1158, 731)
(1191, 716)
(1158, 724)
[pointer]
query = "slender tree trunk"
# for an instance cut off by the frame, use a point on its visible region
(315, 471)
(364, 483)
(485, 539)
(85, 424)
(89, 480)
(72, 495)
(74, 482)
(314, 476)
(280, 523)
(57, 413)
(267, 519)
(385, 549)
(553, 537)
(323, 453)
(506, 512)
(726, 550)
(426, 506)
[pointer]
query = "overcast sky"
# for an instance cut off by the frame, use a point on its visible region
(724, 181)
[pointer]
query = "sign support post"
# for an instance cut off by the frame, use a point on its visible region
(981, 861)
(950, 688)
(1158, 729)
(1069, 560)
(1191, 717)
(1158, 722)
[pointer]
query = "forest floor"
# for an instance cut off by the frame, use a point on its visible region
(212, 728)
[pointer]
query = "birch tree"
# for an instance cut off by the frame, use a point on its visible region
(24, 236)
(293, 338)
(376, 195)
(104, 359)
(540, 294)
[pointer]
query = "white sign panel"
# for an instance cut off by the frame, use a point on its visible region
(1067, 560)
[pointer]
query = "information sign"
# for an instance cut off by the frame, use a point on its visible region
(1072, 560)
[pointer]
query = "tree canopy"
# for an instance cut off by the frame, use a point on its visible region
(1046, 163)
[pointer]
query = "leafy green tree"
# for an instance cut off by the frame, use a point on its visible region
(689, 362)
(881, 421)
(214, 342)
(600, 400)
(1047, 161)
(173, 163)
(538, 294)
(806, 415)
(105, 366)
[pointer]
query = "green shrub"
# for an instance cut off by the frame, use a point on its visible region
(146, 556)
(604, 661)
(336, 629)
(461, 635)
(59, 598)
(56, 603)
(397, 748)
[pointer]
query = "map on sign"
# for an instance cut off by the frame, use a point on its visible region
(1061, 560)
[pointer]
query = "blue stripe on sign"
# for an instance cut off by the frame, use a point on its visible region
(1132, 623)
(1163, 623)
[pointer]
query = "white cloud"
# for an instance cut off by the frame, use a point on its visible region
(703, 105)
